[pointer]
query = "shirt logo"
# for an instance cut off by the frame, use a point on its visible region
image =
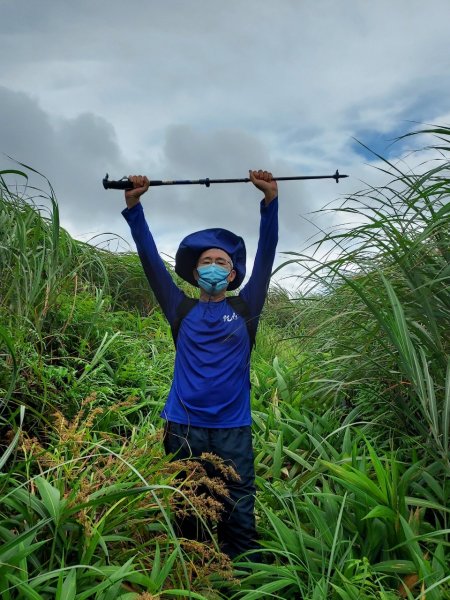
(229, 318)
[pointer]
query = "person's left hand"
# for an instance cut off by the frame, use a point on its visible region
(264, 181)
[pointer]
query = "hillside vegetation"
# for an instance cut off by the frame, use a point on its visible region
(351, 405)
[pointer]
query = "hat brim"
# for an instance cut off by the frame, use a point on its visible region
(194, 244)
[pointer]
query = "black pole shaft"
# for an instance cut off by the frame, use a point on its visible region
(125, 184)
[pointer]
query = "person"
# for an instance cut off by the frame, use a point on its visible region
(208, 405)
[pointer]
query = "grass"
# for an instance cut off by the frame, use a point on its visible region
(380, 305)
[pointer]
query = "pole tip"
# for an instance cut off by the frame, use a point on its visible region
(338, 176)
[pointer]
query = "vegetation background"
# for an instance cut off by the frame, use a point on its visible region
(351, 402)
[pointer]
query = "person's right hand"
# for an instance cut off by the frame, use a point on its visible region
(140, 186)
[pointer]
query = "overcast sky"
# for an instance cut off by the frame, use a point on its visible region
(187, 89)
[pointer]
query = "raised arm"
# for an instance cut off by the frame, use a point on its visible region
(255, 291)
(160, 280)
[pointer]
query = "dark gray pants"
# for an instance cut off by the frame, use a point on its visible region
(236, 530)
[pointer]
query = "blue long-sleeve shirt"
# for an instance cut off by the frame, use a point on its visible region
(211, 382)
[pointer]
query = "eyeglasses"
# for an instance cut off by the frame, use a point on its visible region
(220, 262)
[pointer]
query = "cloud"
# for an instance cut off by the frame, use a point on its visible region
(71, 153)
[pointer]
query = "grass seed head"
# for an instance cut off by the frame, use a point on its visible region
(227, 471)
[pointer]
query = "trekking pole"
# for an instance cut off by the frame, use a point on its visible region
(125, 183)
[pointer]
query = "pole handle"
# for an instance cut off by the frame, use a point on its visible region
(120, 184)
(124, 183)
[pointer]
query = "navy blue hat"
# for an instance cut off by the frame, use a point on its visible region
(194, 244)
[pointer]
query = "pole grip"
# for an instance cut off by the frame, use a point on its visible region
(124, 183)
(121, 184)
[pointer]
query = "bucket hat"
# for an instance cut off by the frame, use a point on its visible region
(192, 246)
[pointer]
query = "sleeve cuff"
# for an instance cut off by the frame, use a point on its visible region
(128, 213)
(264, 208)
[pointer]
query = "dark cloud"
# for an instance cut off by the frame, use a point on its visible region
(26, 131)
(73, 154)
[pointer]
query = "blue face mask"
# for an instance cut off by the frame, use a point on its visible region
(213, 279)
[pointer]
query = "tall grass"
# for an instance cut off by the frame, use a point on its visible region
(376, 320)
(382, 299)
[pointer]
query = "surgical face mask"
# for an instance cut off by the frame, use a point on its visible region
(213, 278)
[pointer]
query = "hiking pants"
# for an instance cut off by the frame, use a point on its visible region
(236, 529)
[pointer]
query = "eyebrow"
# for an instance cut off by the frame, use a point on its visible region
(208, 257)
